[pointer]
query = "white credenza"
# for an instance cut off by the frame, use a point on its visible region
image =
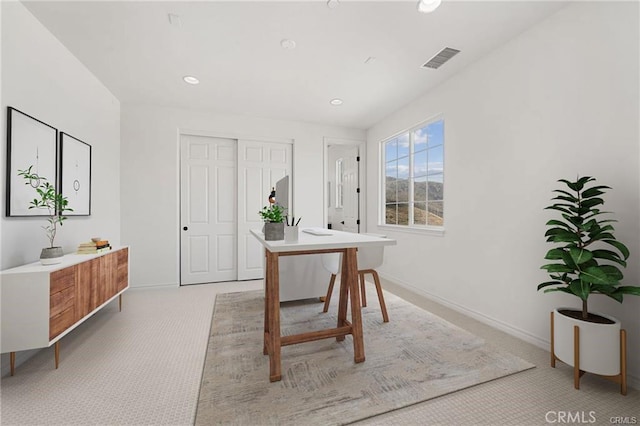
(43, 303)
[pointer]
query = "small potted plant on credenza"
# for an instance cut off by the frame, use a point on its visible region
(586, 260)
(55, 204)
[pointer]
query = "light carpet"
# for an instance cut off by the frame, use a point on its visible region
(415, 357)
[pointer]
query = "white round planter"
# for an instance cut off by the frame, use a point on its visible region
(599, 343)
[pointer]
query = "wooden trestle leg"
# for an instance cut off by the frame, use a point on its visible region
(350, 275)
(273, 309)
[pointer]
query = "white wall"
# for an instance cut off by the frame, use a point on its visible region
(558, 101)
(43, 79)
(150, 177)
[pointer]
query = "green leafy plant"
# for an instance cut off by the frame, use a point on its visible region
(48, 199)
(588, 256)
(273, 213)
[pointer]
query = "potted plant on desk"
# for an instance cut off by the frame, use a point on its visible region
(273, 216)
(586, 261)
(55, 204)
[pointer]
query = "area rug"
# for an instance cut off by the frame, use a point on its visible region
(414, 357)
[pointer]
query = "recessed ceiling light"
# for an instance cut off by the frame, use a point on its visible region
(332, 4)
(287, 44)
(336, 102)
(190, 79)
(428, 6)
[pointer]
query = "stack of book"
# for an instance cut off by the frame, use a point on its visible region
(93, 247)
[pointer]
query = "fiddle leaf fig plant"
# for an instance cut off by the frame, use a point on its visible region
(587, 257)
(47, 199)
(272, 213)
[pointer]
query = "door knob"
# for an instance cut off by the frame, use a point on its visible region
(342, 222)
(185, 228)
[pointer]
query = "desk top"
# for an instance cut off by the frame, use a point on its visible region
(335, 240)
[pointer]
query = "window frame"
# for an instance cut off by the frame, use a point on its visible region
(339, 183)
(410, 226)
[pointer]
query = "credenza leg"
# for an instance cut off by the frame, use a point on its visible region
(120, 302)
(12, 362)
(56, 351)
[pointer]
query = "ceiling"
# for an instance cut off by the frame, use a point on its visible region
(234, 49)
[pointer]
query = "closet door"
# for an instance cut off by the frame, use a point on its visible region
(260, 166)
(208, 210)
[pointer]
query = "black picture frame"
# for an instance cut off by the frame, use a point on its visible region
(75, 174)
(30, 142)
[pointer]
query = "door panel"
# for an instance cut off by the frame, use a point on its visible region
(226, 258)
(199, 253)
(260, 166)
(208, 210)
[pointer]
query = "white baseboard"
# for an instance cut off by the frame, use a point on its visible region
(543, 343)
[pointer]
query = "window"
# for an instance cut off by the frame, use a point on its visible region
(339, 183)
(413, 186)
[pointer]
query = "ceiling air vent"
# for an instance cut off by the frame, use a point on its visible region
(440, 58)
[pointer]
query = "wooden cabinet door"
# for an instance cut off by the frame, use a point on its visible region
(61, 300)
(108, 275)
(87, 288)
(122, 279)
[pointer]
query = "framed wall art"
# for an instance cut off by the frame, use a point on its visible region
(30, 143)
(75, 174)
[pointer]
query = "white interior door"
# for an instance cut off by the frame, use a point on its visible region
(208, 209)
(260, 166)
(344, 194)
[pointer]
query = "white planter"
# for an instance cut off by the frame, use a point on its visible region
(599, 343)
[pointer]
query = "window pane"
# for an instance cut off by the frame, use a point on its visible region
(420, 139)
(391, 150)
(339, 184)
(435, 188)
(391, 190)
(391, 186)
(436, 215)
(436, 159)
(403, 190)
(403, 145)
(420, 214)
(403, 168)
(392, 169)
(435, 133)
(403, 214)
(420, 189)
(391, 214)
(420, 164)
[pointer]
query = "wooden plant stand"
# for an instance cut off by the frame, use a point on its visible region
(620, 378)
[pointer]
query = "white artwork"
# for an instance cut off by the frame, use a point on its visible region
(76, 174)
(30, 143)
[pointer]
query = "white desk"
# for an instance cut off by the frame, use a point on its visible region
(340, 242)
